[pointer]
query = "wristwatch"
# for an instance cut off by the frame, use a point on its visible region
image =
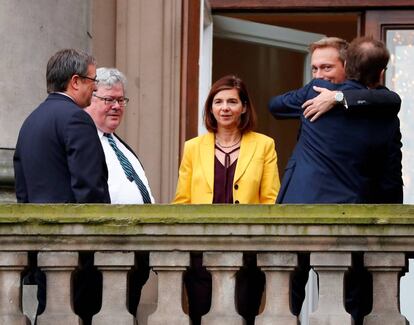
(339, 97)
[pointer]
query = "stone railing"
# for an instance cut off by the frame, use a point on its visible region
(330, 234)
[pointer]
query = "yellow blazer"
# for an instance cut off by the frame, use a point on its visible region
(256, 174)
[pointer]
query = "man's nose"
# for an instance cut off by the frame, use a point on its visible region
(318, 74)
(116, 106)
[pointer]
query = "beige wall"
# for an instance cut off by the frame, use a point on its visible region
(31, 31)
(143, 40)
(140, 37)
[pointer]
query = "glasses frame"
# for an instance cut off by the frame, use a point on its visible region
(112, 101)
(89, 78)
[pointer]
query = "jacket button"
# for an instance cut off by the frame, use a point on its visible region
(237, 202)
(236, 187)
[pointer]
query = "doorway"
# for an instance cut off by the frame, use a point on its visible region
(272, 70)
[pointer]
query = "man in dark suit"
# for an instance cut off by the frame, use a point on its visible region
(58, 157)
(351, 154)
(348, 155)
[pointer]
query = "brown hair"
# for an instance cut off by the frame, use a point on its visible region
(247, 119)
(63, 65)
(337, 43)
(366, 58)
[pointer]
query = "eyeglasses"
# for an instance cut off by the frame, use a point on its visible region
(122, 101)
(89, 78)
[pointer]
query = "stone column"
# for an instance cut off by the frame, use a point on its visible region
(11, 265)
(278, 268)
(331, 268)
(143, 28)
(170, 267)
(223, 267)
(114, 267)
(58, 267)
(385, 268)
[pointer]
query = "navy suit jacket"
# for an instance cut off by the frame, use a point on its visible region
(346, 156)
(58, 157)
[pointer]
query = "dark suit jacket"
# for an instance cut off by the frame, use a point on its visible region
(346, 156)
(58, 157)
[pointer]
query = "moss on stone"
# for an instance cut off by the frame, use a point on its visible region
(112, 215)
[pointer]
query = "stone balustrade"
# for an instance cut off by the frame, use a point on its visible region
(330, 234)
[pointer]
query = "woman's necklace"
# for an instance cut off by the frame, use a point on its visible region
(230, 146)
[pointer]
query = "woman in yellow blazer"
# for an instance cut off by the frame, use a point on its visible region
(229, 164)
(229, 117)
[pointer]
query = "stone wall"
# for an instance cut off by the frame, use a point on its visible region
(141, 38)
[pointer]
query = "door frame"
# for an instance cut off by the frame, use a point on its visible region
(191, 41)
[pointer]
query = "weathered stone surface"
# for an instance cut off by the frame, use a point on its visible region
(330, 259)
(58, 267)
(223, 267)
(384, 260)
(220, 259)
(11, 265)
(169, 267)
(385, 269)
(114, 259)
(169, 259)
(277, 268)
(330, 233)
(331, 268)
(114, 267)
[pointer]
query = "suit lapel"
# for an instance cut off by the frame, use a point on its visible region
(207, 158)
(247, 150)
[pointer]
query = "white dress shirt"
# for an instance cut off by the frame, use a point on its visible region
(121, 190)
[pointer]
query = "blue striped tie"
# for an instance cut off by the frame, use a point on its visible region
(129, 170)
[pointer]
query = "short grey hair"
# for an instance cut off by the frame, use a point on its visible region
(108, 77)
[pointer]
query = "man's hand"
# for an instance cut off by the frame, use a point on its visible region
(319, 105)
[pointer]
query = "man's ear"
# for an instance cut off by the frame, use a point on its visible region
(74, 82)
(382, 76)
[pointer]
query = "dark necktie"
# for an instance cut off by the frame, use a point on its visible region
(128, 169)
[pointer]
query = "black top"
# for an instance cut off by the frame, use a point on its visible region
(223, 178)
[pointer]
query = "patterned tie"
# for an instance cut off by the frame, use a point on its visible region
(128, 169)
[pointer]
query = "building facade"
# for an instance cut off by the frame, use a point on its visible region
(171, 50)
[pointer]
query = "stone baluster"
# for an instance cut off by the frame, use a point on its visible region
(11, 266)
(223, 267)
(170, 267)
(278, 268)
(331, 268)
(114, 267)
(58, 267)
(385, 268)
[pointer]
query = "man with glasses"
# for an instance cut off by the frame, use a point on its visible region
(58, 157)
(107, 110)
(127, 181)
